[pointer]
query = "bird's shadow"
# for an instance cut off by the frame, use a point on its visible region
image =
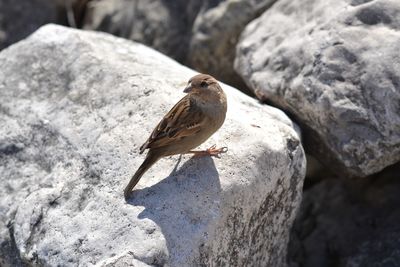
(182, 204)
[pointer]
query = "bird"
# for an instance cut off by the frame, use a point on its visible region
(197, 116)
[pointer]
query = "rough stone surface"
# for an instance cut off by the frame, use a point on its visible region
(349, 223)
(335, 66)
(163, 25)
(75, 106)
(216, 33)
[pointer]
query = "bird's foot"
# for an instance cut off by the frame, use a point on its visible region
(213, 151)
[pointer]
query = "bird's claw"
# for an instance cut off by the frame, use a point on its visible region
(216, 152)
(213, 151)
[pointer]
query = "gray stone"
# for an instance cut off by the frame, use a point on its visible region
(163, 25)
(215, 35)
(335, 66)
(75, 106)
(202, 34)
(349, 223)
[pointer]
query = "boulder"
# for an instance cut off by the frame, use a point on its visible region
(163, 25)
(215, 34)
(202, 34)
(334, 65)
(349, 222)
(75, 106)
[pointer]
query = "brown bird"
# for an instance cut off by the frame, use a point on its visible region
(187, 125)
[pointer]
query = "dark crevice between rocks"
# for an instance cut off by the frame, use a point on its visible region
(238, 83)
(72, 15)
(347, 222)
(35, 13)
(9, 253)
(344, 220)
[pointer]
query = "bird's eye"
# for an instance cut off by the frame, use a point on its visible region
(203, 84)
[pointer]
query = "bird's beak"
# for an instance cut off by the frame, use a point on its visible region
(188, 88)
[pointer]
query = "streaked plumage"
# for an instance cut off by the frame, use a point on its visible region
(187, 125)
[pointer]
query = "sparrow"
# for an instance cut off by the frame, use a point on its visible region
(198, 115)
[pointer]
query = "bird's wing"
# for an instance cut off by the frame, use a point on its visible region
(184, 119)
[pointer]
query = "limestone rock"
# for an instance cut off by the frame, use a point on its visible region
(75, 106)
(163, 25)
(202, 34)
(335, 66)
(215, 35)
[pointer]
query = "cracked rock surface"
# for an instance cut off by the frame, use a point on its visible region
(75, 106)
(334, 66)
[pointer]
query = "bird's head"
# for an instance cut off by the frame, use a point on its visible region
(201, 84)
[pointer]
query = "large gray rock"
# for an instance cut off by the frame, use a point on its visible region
(349, 223)
(215, 35)
(75, 107)
(202, 34)
(335, 66)
(163, 25)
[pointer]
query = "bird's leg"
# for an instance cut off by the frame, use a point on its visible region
(176, 165)
(213, 151)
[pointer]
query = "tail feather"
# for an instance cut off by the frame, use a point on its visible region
(147, 163)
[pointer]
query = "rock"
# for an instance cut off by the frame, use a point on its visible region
(163, 25)
(346, 222)
(202, 34)
(75, 106)
(216, 33)
(334, 65)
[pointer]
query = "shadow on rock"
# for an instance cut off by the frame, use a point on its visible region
(183, 204)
